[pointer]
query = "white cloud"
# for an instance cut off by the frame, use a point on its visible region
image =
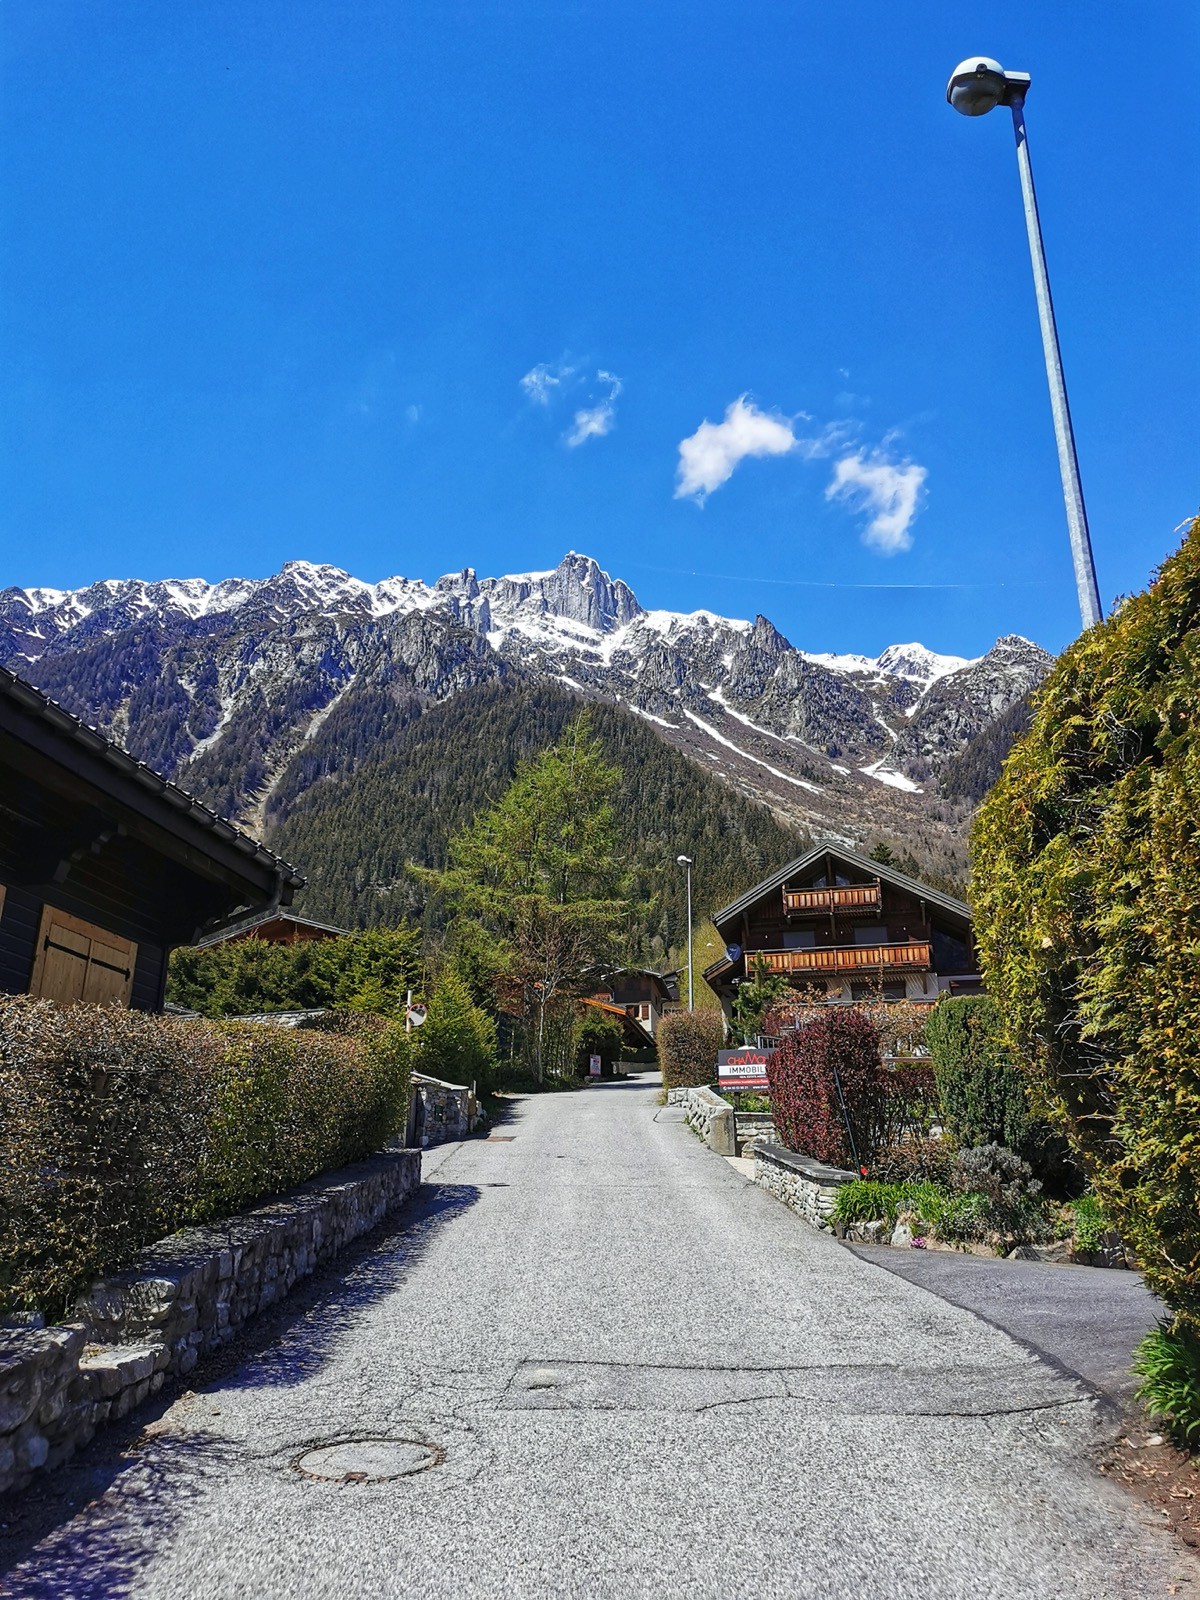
(887, 489)
(708, 457)
(540, 382)
(593, 422)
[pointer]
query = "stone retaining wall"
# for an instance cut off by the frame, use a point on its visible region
(708, 1115)
(807, 1186)
(182, 1297)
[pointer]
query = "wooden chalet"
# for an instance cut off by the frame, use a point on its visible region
(105, 865)
(278, 927)
(634, 1035)
(845, 928)
(642, 992)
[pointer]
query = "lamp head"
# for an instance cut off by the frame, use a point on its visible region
(979, 84)
(684, 861)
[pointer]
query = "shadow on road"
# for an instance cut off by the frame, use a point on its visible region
(96, 1522)
(292, 1342)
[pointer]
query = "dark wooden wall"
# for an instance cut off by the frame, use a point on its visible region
(122, 886)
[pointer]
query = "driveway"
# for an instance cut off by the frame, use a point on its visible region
(1086, 1319)
(627, 1372)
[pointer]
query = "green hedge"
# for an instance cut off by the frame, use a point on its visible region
(688, 1042)
(117, 1128)
(985, 1100)
(369, 971)
(1086, 892)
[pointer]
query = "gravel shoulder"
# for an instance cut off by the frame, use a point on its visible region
(639, 1375)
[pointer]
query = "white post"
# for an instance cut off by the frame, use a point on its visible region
(1090, 608)
(689, 917)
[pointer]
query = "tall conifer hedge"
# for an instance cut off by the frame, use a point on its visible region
(1086, 892)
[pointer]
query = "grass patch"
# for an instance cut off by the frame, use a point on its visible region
(1168, 1363)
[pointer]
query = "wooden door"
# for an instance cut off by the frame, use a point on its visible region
(77, 961)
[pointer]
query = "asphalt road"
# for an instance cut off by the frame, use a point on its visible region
(635, 1374)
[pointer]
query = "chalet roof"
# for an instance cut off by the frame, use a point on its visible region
(851, 858)
(101, 757)
(236, 930)
(635, 1034)
(665, 978)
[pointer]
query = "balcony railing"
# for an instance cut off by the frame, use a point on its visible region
(848, 898)
(913, 956)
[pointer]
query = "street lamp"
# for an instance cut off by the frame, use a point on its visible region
(686, 861)
(977, 85)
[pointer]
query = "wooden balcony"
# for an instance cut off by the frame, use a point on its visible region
(913, 956)
(847, 900)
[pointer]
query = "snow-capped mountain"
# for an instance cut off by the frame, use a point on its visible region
(225, 684)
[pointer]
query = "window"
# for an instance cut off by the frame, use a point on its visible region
(799, 941)
(871, 935)
(76, 961)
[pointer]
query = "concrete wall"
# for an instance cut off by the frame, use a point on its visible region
(708, 1115)
(808, 1187)
(182, 1297)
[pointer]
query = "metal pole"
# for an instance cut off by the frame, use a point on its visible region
(689, 915)
(1090, 608)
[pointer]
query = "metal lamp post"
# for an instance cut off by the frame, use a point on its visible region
(686, 861)
(977, 86)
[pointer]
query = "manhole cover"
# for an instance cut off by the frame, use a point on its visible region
(369, 1460)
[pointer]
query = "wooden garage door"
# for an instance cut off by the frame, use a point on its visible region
(77, 961)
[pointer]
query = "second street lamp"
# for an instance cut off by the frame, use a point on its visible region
(978, 85)
(686, 861)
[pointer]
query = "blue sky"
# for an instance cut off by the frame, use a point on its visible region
(271, 277)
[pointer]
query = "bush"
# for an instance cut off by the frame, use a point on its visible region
(369, 971)
(1168, 1363)
(836, 1051)
(688, 1042)
(597, 1034)
(1086, 891)
(920, 1161)
(118, 1127)
(457, 1041)
(984, 1098)
(1091, 1225)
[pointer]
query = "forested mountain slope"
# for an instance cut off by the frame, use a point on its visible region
(355, 827)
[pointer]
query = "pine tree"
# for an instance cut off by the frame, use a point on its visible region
(458, 1040)
(539, 870)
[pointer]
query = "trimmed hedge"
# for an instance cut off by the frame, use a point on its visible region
(985, 1100)
(117, 1127)
(370, 970)
(1086, 892)
(688, 1042)
(838, 1048)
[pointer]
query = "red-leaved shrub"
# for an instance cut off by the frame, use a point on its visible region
(838, 1048)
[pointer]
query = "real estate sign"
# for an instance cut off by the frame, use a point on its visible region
(742, 1069)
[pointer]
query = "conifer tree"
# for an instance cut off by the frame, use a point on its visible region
(540, 871)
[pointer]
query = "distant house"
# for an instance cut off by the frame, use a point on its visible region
(105, 865)
(643, 993)
(276, 927)
(845, 928)
(634, 1036)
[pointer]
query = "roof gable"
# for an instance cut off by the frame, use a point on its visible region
(858, 863)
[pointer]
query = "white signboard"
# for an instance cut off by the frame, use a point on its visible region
(742, 1069)
(594, 1066)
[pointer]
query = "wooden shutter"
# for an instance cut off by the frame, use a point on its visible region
(77, 961)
